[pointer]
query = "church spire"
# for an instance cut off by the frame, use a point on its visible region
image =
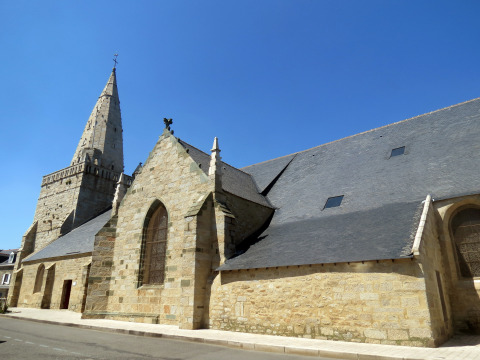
(215, 168)
(101, 142)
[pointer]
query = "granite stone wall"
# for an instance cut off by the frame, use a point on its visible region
(57, 272)
(375, 302)
(56, 205)
(170, 176)
(203, 225)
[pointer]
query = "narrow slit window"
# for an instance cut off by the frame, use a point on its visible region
(398, 151)
(333, 202)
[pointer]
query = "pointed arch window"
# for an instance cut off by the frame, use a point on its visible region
(154, 245)
(465, 227)
(39, 278)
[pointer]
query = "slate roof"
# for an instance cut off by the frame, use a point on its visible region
(234, 181)
(382, 195)
(78, 241)
(6, 253)
(4, 256)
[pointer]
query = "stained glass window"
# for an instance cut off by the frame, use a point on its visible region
(155, 246)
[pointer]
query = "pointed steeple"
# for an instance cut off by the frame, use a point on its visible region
(215, 167)
(102, 142)
(120, 192)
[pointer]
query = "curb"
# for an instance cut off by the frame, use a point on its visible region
(288, 350)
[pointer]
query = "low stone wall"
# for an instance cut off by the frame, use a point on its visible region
(374, 302)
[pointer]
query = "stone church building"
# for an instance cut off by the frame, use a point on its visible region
(372, 238)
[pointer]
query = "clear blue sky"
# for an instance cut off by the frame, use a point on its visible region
(268, 78)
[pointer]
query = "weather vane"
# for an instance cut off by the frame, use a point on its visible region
(168, 122)
(115, 61)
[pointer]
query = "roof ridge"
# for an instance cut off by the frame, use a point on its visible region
(367, 131)
(280, 157)
(223, 162)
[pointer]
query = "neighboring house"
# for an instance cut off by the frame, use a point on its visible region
(7, 262)
(372, 238)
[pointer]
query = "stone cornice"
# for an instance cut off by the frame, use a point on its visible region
(84, 168)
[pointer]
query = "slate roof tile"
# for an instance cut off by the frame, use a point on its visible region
(78, 241)
(381, 193)
(234, 181)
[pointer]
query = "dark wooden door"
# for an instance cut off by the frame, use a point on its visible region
(67, 288)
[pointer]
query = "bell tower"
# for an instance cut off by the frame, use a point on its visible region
(81, 191)
(101, 142)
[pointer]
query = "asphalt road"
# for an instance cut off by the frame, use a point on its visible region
(21, 339)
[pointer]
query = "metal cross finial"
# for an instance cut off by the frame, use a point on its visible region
(115, 61)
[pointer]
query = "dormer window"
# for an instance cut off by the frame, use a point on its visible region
(11, 257)
(6, 279)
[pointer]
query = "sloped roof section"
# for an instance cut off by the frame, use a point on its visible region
(78, 241)
(234, 180)
(381, 193)
(317, 241)
(266, 172)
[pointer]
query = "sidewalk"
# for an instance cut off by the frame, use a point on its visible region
(458, 348)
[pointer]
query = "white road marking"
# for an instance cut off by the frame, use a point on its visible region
(59, 349)
(18, 340)
(8, 337)
(29, 342)
(45, 346)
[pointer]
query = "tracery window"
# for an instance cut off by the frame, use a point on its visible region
(154, 245)
(39, 279)
(466, 232)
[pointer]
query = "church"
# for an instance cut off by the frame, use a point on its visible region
(372, 238)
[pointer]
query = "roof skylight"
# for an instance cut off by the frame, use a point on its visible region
(398, 151)
(333, 202)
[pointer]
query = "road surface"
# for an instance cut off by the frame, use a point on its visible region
(21, 339)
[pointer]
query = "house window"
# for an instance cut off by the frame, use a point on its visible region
(11, 257)
(6, 279)
(39, 279)
(154, 245)
(398, 151)
(466, 233)
(333, 202)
